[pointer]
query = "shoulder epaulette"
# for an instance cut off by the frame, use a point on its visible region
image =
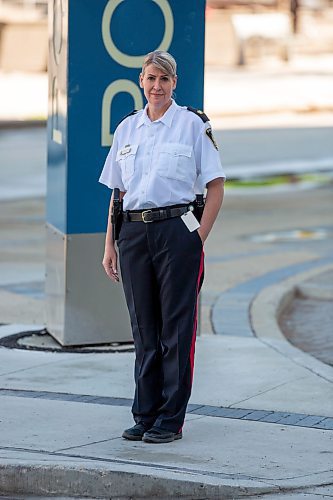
(129, 114)
(200, 113)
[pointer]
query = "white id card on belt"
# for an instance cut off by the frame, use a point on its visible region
(190, 221)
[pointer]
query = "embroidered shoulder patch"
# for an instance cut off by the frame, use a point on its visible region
(211, 137)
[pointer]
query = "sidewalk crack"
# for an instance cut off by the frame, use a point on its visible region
(264, 392)
(35, 366)
(86, 444)
(291, 358)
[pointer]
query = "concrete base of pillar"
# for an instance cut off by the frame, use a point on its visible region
(83, 306)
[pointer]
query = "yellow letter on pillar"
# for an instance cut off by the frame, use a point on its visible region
(125, 59)
(114, 88)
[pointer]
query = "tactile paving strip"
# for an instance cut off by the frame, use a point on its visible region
(273, 417)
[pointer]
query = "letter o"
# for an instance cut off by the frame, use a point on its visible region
(114, 88)
(125, 59)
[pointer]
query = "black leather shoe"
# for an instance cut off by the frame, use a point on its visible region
(157, 435)
(135, 433)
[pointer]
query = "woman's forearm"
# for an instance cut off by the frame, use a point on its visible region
(108, 236)
(214, 199)
(110, 259)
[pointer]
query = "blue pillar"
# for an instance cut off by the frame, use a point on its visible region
(96, 52)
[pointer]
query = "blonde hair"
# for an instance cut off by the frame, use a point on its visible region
(162, 60)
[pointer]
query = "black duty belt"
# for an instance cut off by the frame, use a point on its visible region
(155, 214)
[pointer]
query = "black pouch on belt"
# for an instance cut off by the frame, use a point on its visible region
(116, 214)
(199, 206)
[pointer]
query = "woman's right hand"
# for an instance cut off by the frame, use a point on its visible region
(110, 263)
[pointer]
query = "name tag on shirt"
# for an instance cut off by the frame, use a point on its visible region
(127, 149)
(190, 221)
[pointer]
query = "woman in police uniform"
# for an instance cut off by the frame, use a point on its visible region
(158, 156)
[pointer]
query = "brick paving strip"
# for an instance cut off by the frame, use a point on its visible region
(273, 417)
(230, 313)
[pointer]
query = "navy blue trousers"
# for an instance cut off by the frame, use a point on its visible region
(162, 267)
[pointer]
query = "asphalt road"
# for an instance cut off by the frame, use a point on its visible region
(22, 163)
(266, 151)
(245, 152)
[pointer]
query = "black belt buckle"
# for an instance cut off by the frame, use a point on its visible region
(147, 213)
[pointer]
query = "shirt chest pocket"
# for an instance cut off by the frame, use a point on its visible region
(176, 161)
(126, 160)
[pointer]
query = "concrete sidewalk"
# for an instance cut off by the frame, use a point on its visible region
(63, 417)
(260, 419)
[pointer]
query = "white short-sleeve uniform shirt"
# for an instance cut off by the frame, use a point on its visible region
(163, 162)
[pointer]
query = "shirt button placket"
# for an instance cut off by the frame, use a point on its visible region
(147, 166)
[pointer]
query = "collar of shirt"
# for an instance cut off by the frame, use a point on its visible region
(166, 119)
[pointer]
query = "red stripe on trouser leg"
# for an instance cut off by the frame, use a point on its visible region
(192, 351)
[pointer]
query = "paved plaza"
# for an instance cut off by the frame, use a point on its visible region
(260, 419)
(260, 416)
